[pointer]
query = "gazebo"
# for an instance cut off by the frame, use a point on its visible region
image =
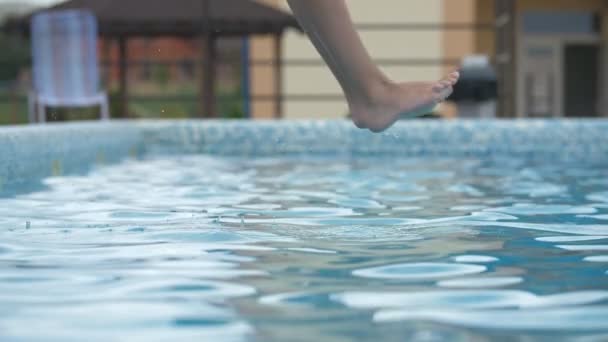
(208, 19)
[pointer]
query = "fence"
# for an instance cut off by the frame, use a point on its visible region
(176, 95)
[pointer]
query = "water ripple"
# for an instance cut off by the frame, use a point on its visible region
(475, 259)
(233, 249)
(483, 283)
(584, 247)
(570, 238)
(469, 299)
(570, 319)
(598, 196)
(419, 271)
(536, 209)
(598, 258)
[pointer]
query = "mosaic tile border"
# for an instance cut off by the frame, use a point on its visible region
(28, 154)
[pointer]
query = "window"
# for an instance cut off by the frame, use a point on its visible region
(561, 22)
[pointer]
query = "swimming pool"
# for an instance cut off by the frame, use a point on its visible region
(231, 231)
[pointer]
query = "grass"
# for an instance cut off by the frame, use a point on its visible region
(157, 109)
(13, 113)
(14, 110)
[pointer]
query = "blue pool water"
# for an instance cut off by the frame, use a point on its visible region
(213, 245)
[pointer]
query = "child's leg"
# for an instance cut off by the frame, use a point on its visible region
(375, 101)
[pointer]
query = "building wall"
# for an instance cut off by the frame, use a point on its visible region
(432, 44)
(598, 6)
(485, 40)
(311, 80)
(262, 76)
(151, 50)
(478, 38)
(523, 5)
(448, 45)
(459, 42)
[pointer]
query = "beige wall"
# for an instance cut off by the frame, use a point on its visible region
(461, 42)
(485, 40)
(318, 79)
(262, 76)
(432, 44)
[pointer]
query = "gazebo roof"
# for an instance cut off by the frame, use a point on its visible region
(180, 17)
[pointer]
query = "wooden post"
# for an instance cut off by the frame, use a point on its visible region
(506, 46)
(123, 76)
(603, 65)
(246, 76)
(278, 75)
(208, 62)
(209, 66)
(106, 61)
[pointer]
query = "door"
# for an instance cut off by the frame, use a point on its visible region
(581, 78)
(540, 82)
(558, 63)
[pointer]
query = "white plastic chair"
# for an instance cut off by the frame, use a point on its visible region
(65, 64)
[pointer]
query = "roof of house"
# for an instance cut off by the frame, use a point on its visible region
(179, 17)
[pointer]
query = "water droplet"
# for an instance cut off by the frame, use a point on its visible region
(28, 225)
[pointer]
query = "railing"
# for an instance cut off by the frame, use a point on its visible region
(159, 103)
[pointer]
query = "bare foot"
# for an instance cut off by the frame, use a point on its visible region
(393, 100)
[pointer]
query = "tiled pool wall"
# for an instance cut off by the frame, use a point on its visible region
(561, 139)
(28, 154)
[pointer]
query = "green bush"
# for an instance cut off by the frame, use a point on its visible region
(230, 104)
(15, 56)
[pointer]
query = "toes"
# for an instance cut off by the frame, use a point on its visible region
(444, 88)
(443, 94)
(441, 84)
(446, 93)
(454, 77)
(449, 81)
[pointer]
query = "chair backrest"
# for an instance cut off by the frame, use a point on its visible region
(64, 48)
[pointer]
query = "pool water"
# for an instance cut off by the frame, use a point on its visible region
(309, 249)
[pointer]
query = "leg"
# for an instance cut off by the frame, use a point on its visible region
(375, 101)
(41, 112)
(105, 110)
(31, 108)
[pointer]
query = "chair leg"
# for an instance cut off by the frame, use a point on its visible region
(105, 108)
(31, 108)
(41, 112)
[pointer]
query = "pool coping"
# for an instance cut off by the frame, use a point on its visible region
(31, 153)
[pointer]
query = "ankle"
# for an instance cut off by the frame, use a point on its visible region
(371, 93)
